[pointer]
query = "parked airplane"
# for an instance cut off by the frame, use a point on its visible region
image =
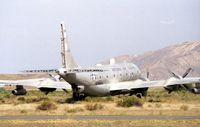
(113, 79)
(103, 80)
(45, 85)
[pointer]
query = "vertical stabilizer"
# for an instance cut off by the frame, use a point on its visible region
(67, 59)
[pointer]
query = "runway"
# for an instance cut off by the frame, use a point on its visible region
(97, 117)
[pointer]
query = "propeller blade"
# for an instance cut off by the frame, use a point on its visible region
(148, 73)
(60, 78)
(187, 72)
(173, 74)
(52, 77)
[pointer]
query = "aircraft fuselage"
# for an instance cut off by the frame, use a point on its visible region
(96, 80)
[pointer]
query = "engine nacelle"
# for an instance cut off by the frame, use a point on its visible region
(196, 90)
(46, 90)
(19, 91)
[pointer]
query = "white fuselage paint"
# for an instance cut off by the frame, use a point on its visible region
(96, 79)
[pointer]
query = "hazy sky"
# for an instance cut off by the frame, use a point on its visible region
(97, 29)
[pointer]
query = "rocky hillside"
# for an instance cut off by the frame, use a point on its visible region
(176, 58)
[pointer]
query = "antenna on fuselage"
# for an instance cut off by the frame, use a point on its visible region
(112, 61)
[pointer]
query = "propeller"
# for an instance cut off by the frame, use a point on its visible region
(55, 78)
(187, 72)
(178, 76)
(148, 73)
(175, 87)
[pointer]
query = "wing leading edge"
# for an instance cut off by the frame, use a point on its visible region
(150, 84)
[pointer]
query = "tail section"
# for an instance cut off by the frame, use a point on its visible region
(67, 59)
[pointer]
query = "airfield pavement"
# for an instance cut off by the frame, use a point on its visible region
(97, 117)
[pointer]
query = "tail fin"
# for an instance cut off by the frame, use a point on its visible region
(67, 59)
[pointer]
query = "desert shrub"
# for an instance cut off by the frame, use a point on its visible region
(36, 99)
(23, 111)
(98, 99)
(130, 101)
(47, 105)
(92, 107)
(2, 91)
(74, 110)
(153, 100)
(158, 105)
(184, 107)
(7, 95)
(2, 100)
(109, 98)
(21, 99)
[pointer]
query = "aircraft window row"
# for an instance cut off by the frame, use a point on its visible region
(114, 75)
(85, 70)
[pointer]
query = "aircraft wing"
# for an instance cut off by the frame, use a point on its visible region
(128, 85)
(148, 84)
(28, 82)
(38, 83)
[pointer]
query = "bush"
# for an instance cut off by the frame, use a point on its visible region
(23, 111)
(184, 107)
(36, 99)
(130, 101)
(98, 99)
(2, 100)
(74, 110)
(7, 95)
(153, 100)
(47, 105)
(92, 107)
(21, 99)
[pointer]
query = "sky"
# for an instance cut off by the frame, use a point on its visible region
(96, 29)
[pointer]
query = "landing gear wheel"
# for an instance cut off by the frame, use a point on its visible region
(77, 95)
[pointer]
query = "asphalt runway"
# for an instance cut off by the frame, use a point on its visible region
(98, 117)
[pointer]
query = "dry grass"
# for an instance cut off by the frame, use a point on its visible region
(100, 123)
(47, 105)
(93, 107)
(130, 101)
(179, 103)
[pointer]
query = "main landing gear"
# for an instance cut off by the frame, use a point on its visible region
(77, 94)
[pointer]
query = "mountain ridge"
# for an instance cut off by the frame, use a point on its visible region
(177, 58)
